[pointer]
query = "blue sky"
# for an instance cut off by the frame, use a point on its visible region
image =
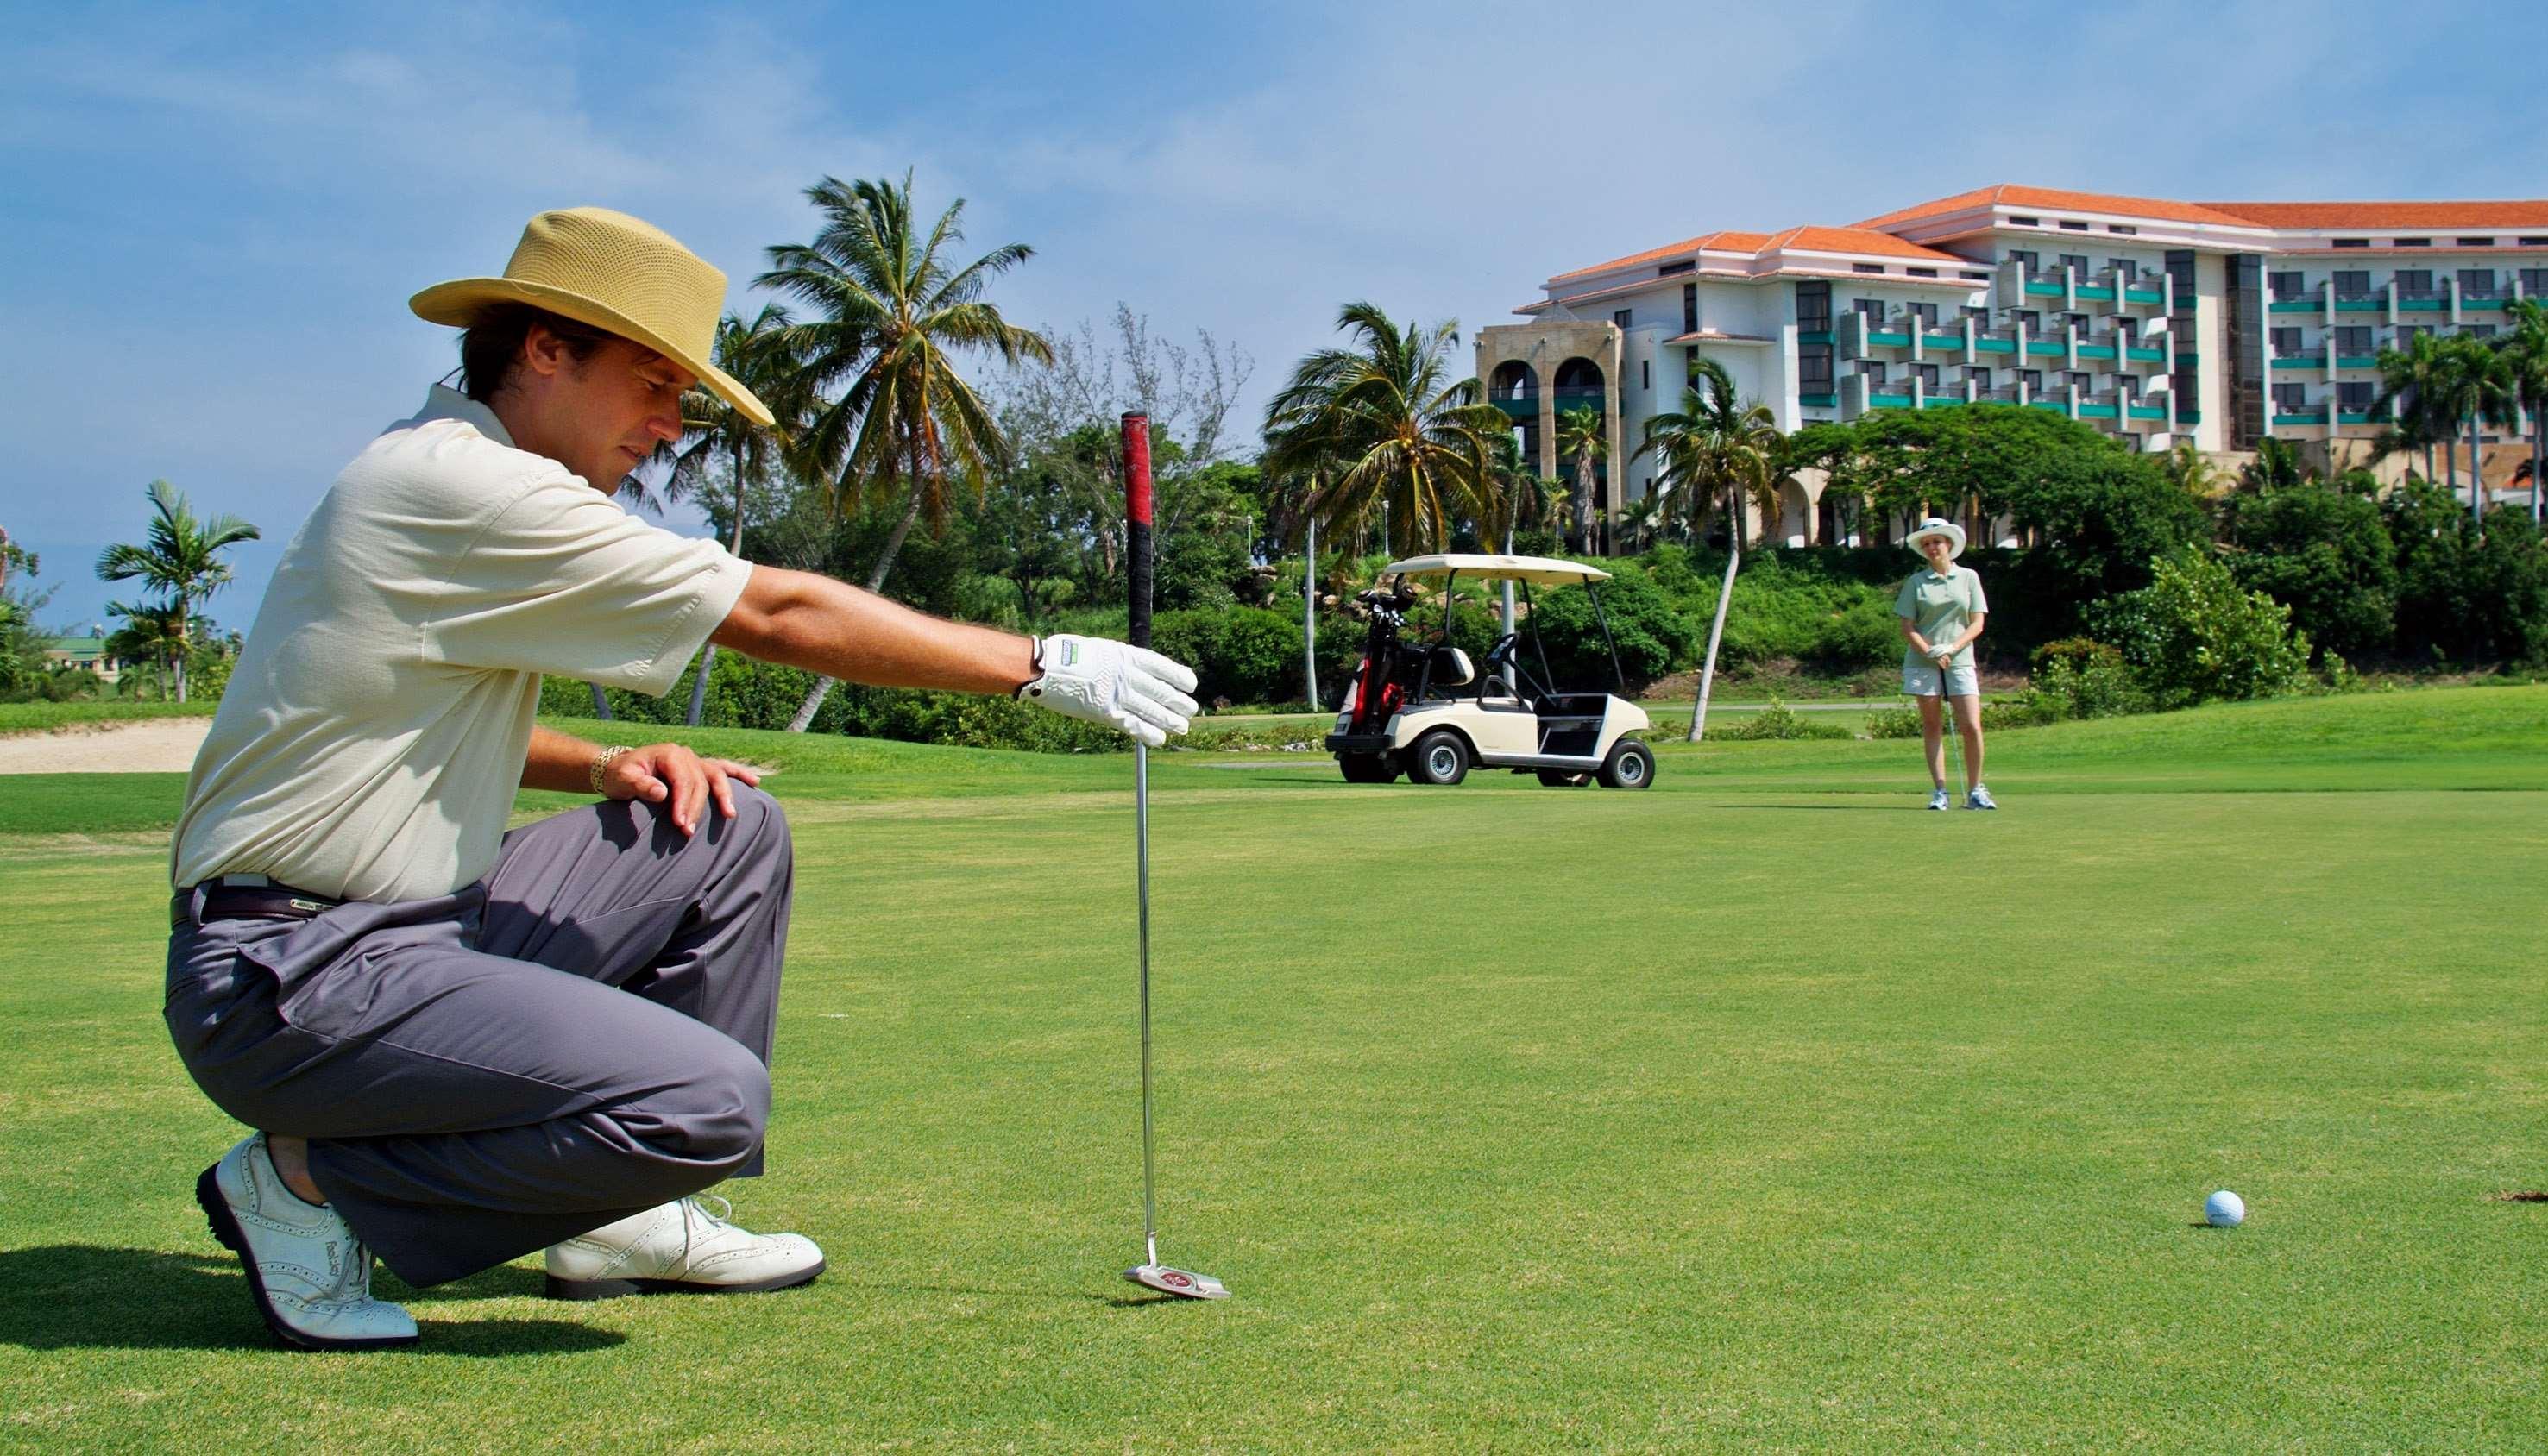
(215, 214)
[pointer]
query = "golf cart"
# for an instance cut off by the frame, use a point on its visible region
(1421, 708)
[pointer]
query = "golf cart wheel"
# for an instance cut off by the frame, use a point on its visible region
(1560, 778)
(1367, 768)
(1439, 756)
(1631, 764)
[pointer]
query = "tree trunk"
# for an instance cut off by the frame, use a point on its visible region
(707, 653)
(1310, 614)
(2538, 441)
(600, 702)
(2451, 459)
(1512, 684)
(2477, 478)
(1716, 628)
(813, 702)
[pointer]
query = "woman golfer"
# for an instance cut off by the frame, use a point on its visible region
(1942, 609)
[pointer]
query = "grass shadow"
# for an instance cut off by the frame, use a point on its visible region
(77, 1296)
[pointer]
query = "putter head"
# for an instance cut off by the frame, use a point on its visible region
(1178, 1282)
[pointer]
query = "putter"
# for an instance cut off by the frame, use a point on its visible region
(1149, 1273)
(1953, 752)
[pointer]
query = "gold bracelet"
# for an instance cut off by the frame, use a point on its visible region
(601, 764)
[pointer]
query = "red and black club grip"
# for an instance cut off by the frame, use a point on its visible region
(1136, 521)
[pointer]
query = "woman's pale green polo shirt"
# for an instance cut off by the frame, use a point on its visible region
(1940, 609)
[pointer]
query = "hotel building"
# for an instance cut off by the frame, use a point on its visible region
(2156, 322)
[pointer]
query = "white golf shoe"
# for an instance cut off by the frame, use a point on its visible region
(311, 1277)
(679, 1247)
(1979, 798)
(1937, 799)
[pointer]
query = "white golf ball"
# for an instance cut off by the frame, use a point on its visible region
(2224, 1210)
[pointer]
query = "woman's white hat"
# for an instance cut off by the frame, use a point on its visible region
(1937, 525)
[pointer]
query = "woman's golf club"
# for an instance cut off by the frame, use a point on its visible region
(1150, 1273)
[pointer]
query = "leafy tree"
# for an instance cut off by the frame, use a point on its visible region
(2525, 347)
(1385, 425)
(2327, 555)
(1652, 636)
(181, 559)
(2193, 472)
(2277, 466)
(891, 310)
(2100, 515)
(1582, 439)
(2193, 636)
(2476, 387)
(2464, 593)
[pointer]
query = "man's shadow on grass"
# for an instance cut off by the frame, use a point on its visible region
(78, 1295)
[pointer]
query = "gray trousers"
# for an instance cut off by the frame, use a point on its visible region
(581, 1035)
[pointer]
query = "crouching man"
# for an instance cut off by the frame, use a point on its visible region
(457, 1044)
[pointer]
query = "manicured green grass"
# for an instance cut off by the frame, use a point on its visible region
(1760, 1110)
(22, 717)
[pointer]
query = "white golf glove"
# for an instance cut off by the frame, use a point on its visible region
(1130, 690)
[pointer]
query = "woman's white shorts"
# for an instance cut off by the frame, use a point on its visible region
(1919, 680)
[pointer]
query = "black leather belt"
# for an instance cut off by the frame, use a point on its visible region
(245, 897)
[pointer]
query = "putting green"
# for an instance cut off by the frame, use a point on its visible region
(1761, 1108)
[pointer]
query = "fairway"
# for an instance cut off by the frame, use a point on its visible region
(1762, 1109)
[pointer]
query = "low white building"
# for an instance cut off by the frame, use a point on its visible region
(2158, 321)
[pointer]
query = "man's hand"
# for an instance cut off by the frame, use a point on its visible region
(1131, 690)
(669, 773)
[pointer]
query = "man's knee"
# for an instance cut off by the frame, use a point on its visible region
(715, 1115)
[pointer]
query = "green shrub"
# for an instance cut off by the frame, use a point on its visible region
(2463, 595)
(2325, 554)
(1243, 654)
(1778, 721)
(1653, 639)
(2192, 635)
(2080, 677)
(1894, 722)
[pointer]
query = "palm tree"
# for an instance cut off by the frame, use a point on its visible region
(2193, 472)
(2409, 378)
(1580, 437)
(888, 309)
(1394, 429)
(2475, 387)
(714, 432)
(2276, 465)
(1714, 444)
(181, 559)
(152, 632)
(2525, 355)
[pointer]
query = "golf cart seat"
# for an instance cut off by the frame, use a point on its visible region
(1452, 668)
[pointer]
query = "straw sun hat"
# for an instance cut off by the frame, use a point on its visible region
(1937, 526)
(618, 274)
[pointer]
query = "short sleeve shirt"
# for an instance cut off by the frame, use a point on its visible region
(375, 727)
(1939, 607)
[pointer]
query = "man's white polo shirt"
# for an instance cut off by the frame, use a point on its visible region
(376, 725)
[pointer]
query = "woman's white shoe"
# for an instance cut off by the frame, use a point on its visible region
(679, 1247)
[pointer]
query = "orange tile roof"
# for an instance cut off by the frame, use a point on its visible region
(1753, 244)
(1719, 241)
(2514, 213)
(2055, 200)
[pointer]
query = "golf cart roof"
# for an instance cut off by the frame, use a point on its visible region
(1544, 570)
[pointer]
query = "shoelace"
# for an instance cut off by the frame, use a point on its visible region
(698, 1201)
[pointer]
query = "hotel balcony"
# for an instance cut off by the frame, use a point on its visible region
(1858, 396)
(1862, 337)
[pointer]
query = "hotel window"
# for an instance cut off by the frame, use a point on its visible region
(2354, 398)
(2033, 379)
(1871, 370)
(2287, 344)
(1645, 374)
(1867, 267)
(2407, 332)
(2123, 227)
(1979, 379)
(2078, 382)
(2534, 282)
(2075, 262)
(2123, 384)
(2353, 342)
(2125, 330)
(2026, 257)
(2027, 318)
(1928, 374)
(1689, 308)
(1621, 318)
(2286, 286)
(1814, 306)
(2410, 243)
(2180, 270)
(2415, 283)
(2478, 281)
(1685, 265)
(1927, 314)
(1973, 311)
(1920, 272)
(1874, 309)
(2070, 226)
(2534, 242)
(2015, 220)
(2079, 321)
(2125, 269)
(2477, 242)
(2290, 399)
(2353, 242)
(2353, 283)
(1972, 276)
(2479, 331)
(1815, 369)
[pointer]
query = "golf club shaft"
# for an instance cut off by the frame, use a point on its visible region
(1137, 531)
